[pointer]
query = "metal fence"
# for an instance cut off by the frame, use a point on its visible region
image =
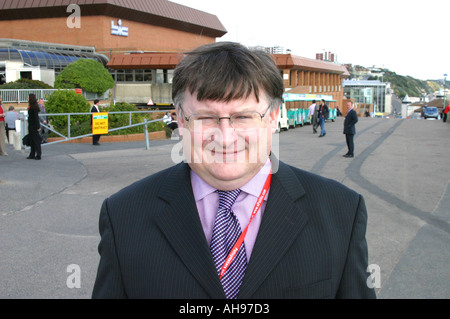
(24, 125)
(21, 95)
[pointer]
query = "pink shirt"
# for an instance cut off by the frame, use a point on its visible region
(207, 201)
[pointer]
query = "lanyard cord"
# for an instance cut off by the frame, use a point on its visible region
(240, 240)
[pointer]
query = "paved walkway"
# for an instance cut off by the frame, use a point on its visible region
(49, 208)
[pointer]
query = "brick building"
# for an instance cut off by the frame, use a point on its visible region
(140, 41)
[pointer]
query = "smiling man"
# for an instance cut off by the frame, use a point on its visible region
(232, 221)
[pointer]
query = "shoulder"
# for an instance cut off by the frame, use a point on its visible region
(313, 183)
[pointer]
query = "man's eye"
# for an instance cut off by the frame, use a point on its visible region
(205, 118)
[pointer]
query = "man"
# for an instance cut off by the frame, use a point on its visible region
(446, 110)
(10, 120)
(323, 115)
(313, 114)
(231, 221)
(349, 128)
(2, 130)
(43, 120)
(95, 109)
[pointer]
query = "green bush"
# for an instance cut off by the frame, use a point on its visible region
(23, 84)
(87, 74)
(69, 102)
(120, 120)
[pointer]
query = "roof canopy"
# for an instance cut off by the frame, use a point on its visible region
(155, 12)
(150, 60)
(289, 61)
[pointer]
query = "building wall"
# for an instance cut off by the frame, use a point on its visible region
(314, 82)
(95, 31)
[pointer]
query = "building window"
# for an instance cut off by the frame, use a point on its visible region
(164, 76)
(143, 75)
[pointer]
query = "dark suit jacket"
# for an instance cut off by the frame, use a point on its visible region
(311, 242)
(349, 123)
(93, 110)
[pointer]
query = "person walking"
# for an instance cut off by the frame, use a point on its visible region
(313, 113)
(323, 115)
(34, 128)
(2, 130)
(95, 109)
(349, 128)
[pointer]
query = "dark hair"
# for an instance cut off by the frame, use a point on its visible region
(96, 101)
(226, 71)
(32, 102)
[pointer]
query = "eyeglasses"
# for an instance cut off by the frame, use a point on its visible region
(241, 121)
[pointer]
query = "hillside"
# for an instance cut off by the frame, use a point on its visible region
(403, 85)
(400, 84)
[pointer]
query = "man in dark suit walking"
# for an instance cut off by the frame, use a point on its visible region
(349, 128)
(231, 220)
(95, 109)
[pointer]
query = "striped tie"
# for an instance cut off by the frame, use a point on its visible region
(225, 234)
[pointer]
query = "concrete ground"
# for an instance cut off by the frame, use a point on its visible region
(49, 208)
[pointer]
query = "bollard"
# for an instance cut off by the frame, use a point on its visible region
(10, 137)
(16, 139)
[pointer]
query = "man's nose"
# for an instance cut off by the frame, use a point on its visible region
(225, 131)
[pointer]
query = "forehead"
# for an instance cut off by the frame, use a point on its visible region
(192, 105)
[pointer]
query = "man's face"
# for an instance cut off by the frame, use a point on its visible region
(349, 105)
(224, 156)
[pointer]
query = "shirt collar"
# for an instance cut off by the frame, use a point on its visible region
(253, 187)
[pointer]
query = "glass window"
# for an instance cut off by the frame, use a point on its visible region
(139, 75)
(159, 76)
(129, 75)
(120, 75)
(148, 75)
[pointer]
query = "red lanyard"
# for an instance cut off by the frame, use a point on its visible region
(240, 240)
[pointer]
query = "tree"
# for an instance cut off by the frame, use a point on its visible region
(87, 74)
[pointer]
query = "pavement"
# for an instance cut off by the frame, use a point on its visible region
(49, 208)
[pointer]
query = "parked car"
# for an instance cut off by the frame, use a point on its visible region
(431, 112)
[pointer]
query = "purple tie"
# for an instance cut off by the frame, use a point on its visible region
(225, 234)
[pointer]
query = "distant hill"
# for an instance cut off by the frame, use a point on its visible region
(403, 85)
(400, 84)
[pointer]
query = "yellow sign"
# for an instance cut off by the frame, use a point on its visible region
(99, 123)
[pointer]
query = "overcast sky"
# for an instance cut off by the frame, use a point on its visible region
(408, 37)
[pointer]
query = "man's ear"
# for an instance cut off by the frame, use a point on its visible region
(274, 119)
(181, 122)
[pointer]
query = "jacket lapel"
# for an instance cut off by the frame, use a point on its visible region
(181, 225)
(283, 220)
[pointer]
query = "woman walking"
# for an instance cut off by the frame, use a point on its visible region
(34, 127)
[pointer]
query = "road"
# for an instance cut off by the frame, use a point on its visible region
(49, 208)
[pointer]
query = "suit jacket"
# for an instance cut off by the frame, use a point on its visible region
(93, 110)
(349, 123)
(311, 242)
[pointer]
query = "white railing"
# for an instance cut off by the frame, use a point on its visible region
(21, 95)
